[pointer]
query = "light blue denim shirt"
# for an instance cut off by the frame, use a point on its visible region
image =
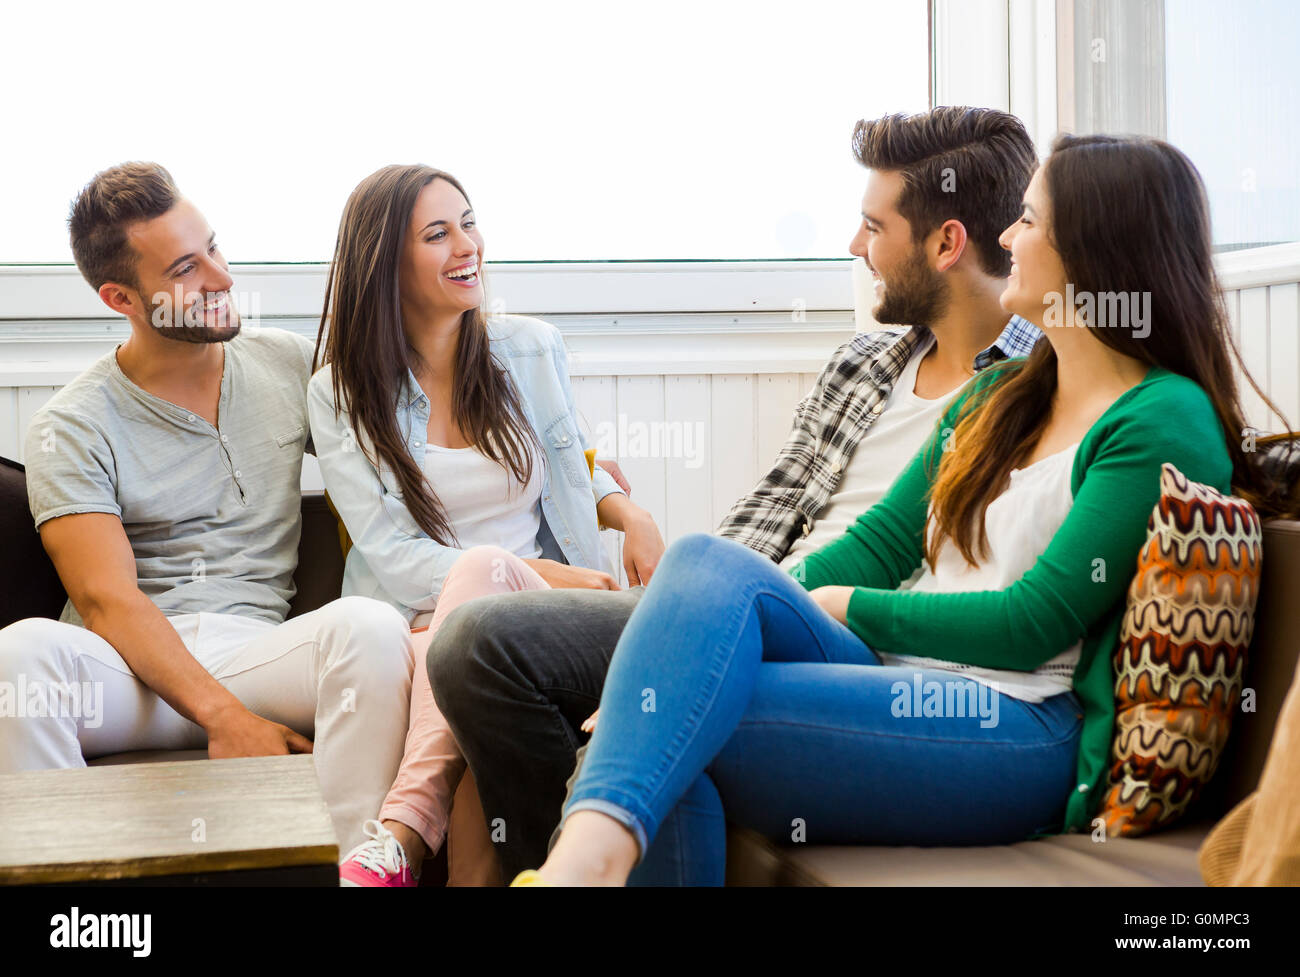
(391, 558)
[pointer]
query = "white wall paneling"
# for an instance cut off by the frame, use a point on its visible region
(1263, 297)
(734, 455)
(1284, 351)
(1253, 325)
(23, 402)
(688, 409)
(775, 397)
(639, 420)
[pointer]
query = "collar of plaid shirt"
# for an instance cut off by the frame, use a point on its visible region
(849, 396)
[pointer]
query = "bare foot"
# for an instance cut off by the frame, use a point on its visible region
(593, 849)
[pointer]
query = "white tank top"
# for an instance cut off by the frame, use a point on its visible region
(484, 502)
(1020, 523)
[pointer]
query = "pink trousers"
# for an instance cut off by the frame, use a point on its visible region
(434, 794)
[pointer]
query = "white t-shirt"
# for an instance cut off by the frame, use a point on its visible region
(1020, 524)
(880, 457)
(484, 502)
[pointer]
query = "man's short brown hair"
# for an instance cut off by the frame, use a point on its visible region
(957, 163)
(104, 211)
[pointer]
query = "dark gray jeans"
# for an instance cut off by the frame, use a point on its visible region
(515, 675)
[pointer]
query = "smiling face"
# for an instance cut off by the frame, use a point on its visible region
(1037, 272)
(908, 291)
(182, 280)
(440, 272)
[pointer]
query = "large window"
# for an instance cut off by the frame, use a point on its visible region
(582, 130)
(1216, 79)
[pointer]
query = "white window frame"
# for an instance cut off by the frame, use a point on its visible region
(998, 54)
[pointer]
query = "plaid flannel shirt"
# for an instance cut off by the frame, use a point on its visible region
(829, 422)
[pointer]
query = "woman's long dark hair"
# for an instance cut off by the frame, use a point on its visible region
(1127, 215)
(361, 336)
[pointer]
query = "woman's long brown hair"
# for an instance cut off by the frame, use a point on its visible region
(361, 335)
(1126, 215)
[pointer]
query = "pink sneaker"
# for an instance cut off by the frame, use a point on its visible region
(380, 862)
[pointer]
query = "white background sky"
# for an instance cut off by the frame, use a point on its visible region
(605, 130)
(1232, 92)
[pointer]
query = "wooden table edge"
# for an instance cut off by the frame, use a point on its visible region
(168, 865)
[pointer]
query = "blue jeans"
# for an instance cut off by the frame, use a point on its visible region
(731, 689)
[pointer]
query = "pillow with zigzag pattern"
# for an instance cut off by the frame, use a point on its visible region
(1182, 652)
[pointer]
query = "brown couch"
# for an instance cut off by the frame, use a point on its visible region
(1165, 858)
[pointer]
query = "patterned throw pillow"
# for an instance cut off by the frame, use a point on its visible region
(1182, 652)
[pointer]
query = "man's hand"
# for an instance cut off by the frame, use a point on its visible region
(562, 576)
(235, 732)
(616, 473)
(97, 567)
(834, 601)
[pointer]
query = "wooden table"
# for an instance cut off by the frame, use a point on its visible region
(250, 821)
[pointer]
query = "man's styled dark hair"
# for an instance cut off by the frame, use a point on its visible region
(957, 163)
(105, 209)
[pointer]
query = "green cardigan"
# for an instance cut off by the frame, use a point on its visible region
(1077, 587)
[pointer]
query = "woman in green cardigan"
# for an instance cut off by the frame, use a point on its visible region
(940, 674)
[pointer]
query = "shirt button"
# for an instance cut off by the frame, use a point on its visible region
(567, 540)
(1083, 788)
(225, 439)
(239, 474)
(548, 498)
(836, 467)
(807, 528)
(191, 417)
(880, 405)
(417, 444)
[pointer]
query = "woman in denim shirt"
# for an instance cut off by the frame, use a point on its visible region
(450, 447)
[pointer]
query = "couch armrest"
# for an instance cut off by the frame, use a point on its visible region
(1270, 669)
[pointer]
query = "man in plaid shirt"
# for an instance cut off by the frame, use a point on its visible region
(517, 675)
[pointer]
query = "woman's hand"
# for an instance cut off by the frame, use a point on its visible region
(642, 548)
(642, 544)
(834, 601)
(589, 724)
(562, 576)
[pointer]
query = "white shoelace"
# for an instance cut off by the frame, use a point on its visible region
(383, 854)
